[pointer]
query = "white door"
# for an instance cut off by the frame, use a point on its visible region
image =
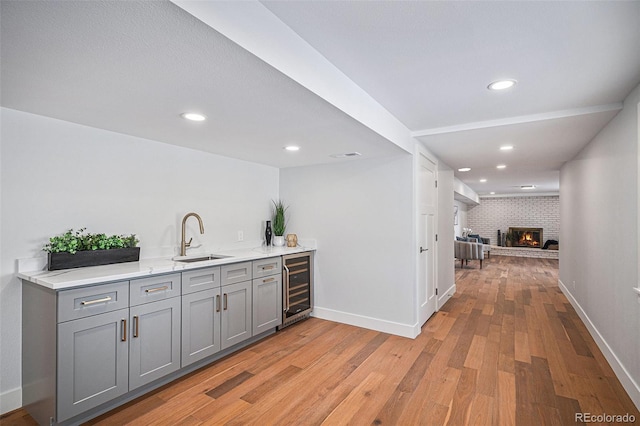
(427, 200)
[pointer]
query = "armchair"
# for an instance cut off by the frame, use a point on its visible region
(465, 251)
(486, 243)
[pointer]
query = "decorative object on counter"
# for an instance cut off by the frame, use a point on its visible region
(292, 240)
(268, 233)
(279, 222)
(466, 232)
(499, 238)
(78, 249)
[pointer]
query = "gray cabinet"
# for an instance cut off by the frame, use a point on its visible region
(236, 273)
(154, 345)
(200, 325)
(92, 362)
(200, 279)
(267, 267)
(154, 328)
(236, 313)
(86, 348)
(92, 347)
(201, 311)
(267, 303)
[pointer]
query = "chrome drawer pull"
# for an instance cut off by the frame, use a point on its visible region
(153, 290)
(92, 302)
(268, 267)
(268, 280)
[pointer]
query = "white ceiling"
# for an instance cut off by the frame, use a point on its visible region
(133, 67)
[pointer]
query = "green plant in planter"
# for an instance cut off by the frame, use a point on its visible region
(72, 242)
(279, 222)
(509, 237)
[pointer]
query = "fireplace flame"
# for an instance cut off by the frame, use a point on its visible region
(527, 239)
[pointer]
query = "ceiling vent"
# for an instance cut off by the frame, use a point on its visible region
(345, 155)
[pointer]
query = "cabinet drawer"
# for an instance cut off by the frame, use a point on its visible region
(266, 267)
(88, 301)
(150, 289)
(200, 279)
(236, 273)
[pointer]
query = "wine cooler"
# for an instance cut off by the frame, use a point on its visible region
(297, 278)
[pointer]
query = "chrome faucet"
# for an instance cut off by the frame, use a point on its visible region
(183, 243)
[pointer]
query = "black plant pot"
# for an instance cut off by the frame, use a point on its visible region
(56, 261)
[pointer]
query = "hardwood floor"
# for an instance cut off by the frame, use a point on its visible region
(507, 349)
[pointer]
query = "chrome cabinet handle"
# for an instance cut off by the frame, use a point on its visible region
(224, 301)
(153, 290)
(123, 329)
(92, 302)
(135, 326)
(268, 267)
(217, 303)
(286, 288)
(268, 280)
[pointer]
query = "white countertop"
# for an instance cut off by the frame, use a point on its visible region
(69, 278)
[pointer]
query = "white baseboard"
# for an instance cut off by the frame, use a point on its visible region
(403, 330)
(445, 296)
(10, 400)
(629, 384)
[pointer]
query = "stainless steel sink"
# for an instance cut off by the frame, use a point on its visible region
(200, 258)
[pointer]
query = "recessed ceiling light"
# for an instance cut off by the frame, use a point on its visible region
(193, 116)
(492, 193)
(483, 180)
(464, 169)
(528, 187)
(292, 148)
(501, 166)
(506, 148)
(501, 84)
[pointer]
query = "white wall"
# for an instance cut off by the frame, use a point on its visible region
(599, 234)
(462, 217)
(446, 273)
(57, 175)
(361, 214)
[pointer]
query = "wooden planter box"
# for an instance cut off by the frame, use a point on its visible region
(56, 261)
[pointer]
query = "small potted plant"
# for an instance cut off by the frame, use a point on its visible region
(509, 238)
(78, 249)
(278, 222)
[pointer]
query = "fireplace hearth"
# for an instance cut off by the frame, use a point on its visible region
(526, 237)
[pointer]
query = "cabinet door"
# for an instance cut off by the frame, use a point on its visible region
(154, 348)
(236, 313)
(267, 303)
(92, 362)
(200, 325)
